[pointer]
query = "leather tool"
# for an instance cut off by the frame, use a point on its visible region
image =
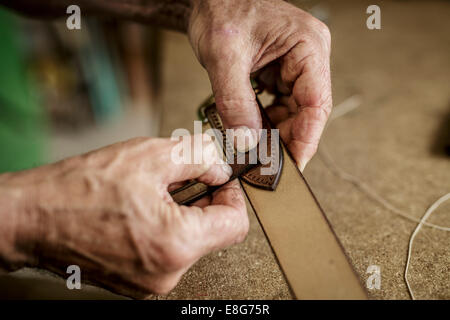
(308, 251)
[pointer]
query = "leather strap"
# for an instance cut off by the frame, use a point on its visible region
(306, 247)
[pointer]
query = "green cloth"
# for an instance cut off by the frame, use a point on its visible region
(22, 120)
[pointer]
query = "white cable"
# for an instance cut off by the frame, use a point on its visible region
(329, 162)
(346, 106)
(430, 210)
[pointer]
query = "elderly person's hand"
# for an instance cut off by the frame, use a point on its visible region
(284, 47)
(110, 213)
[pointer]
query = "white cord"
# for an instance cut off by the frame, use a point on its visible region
(329, 162)
(346, 106)
(430, 210)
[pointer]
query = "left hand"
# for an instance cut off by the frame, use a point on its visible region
(110, 213)
(286, 49)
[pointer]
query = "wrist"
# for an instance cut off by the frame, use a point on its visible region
(19, 225)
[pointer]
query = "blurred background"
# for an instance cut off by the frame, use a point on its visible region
(68, 91)
(64, 92)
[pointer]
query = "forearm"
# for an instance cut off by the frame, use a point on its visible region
(18, 222)
(173, 14)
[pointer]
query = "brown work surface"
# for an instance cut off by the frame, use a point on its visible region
(401, 73)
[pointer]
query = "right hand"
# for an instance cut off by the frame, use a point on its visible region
(110, 213)
(287, 51)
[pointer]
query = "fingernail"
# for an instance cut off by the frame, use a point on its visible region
(301, 165)
(227, 169)
(245, 138)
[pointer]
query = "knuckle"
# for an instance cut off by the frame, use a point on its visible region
(317, 114)
(324, 35)
(233, 105)
(316, 29)
(323, 29)
(327, 104)
(223, 47)
(175, 257)
(244, 231)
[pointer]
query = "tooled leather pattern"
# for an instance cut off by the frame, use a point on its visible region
(251, 173)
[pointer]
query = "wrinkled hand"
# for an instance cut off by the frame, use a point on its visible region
(285, 48)
(110, 213)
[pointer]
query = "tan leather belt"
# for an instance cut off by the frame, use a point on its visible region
(302, 239)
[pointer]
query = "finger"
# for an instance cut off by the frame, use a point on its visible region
(282, 88)
(277, 113)
(285, 128)
(309, 73)
(176, 185)
(312, 93)
(313, 86)
(203, 202)
(221, 223)
(225, 221)
(234, 95)
(306, 131)
(289, 102)
(192, 157)
(268, 78)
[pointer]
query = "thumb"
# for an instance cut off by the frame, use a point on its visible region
(235, 98)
